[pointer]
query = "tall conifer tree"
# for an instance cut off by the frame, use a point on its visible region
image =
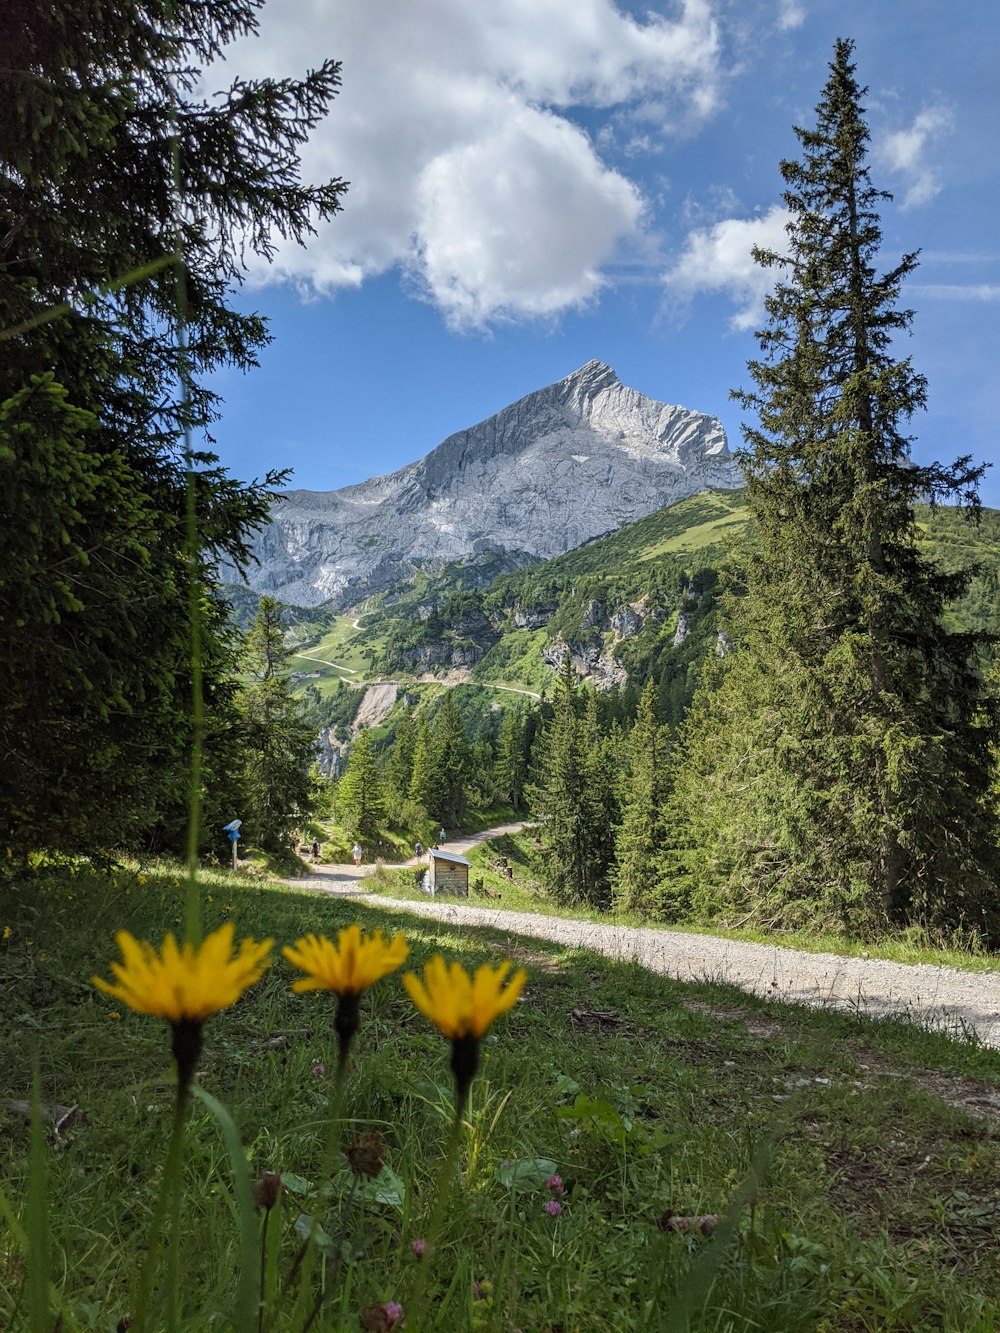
(569, 797)
(841, 767)
(360, 796)
(640, 835)
(276, 744)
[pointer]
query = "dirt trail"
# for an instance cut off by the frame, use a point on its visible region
(963, 1003)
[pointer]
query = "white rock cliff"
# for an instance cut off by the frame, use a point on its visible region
(565, 464)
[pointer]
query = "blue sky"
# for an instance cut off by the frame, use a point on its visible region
(535, 183)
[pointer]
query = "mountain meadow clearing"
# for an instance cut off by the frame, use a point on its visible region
(634, 1153)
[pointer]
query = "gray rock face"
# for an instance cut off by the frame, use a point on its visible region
(626, 623)
(565, 464)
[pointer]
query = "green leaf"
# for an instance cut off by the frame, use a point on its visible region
(321, 1238)
(525, 1173)
(245, 1305)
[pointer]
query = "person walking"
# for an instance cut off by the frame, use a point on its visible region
(314, 851)
(356, 853)
(440, 837)
(418, 849)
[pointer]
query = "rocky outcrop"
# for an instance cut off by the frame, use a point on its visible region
(588, 660)
(565, 464)
(627, 622)
(533, 617)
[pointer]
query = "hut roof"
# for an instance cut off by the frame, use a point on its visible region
(453, 857)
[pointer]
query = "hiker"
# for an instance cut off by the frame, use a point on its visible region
(418, 849)
(315, 851)
(356, 853)
(441, 835)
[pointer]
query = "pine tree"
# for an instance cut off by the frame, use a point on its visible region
(95, 693)
(276, 744)
(840, 770)
(569, 797)
(511, 768)
(639, 838)
(451, 758)
(425, 785)
(360, 800)
(399, 764)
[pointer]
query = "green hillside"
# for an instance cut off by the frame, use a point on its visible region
(490, 626)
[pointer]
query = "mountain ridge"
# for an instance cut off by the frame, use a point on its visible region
(562, 465)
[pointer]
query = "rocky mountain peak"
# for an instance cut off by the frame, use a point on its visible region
(564, 464)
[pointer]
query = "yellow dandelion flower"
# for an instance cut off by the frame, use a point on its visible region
(459, 1005)
(141, 879)
(462, 1008)
(348, 967)
(185, 984)
(7, 932)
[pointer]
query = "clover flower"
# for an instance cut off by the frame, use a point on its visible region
(463, 1007)
(185, 985)
(347, 967)
(553, 1207)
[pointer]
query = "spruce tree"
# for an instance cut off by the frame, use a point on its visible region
(840, 769)
(511, 768)
(425, 785)
(639, 838)
(360, 800)
(569, 797)
(112, 165)
(276, 744)
(452, 761)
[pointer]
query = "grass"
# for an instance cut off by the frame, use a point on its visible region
(876, 1211)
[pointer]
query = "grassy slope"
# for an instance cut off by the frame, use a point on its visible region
(698, 531)
(876, 1210)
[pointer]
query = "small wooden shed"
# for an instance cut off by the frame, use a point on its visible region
(447, 873)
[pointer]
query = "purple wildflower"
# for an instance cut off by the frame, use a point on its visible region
(319, 1070)
(553, 1208)
(393, 1312)
(419, 1247)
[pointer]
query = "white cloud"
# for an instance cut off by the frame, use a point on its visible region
(791, 15)
(453, 128)
(719, 259)
(955, 291)
(906, 152)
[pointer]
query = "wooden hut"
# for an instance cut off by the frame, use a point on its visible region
(447, 873)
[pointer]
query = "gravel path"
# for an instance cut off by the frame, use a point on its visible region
(960, 1002)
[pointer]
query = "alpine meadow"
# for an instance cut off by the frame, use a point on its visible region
(552, 886)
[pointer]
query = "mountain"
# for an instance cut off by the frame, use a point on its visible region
(563, 465)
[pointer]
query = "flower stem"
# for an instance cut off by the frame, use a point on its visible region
(418, 1299)
(263, 1272)
(170, 1193)
(306, 1256)
(331, 1281)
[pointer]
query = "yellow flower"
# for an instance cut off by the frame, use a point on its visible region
(186, 984)
(348, 967)
(7, 932)
(462, 1008)
(141, 879)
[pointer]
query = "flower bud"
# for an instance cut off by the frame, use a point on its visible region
(367, 1153)
(266, 1190)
